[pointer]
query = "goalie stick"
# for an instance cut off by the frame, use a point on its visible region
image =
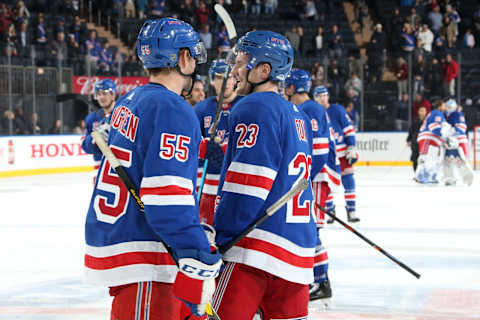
(361, 236)
(122, 174)
(232, 35)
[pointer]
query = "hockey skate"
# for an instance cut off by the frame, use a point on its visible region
(352, 216)
(330, 220)
(321, 291)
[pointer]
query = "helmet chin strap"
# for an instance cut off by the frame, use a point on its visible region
(254, 85)
(191, 75)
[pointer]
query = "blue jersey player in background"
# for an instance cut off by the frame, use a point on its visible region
(105, 93)
(155, 135)
(346, 150)
(268, 152)
(206, 111)
(325, 171)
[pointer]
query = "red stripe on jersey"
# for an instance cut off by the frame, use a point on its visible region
(126, 259)
(350, 196)
(212, 182)
(320, 146)
(349, 131)
(341, 149)
(331, 177)
(249, 180)
(322, 257)
(168, 190)
(276, 251)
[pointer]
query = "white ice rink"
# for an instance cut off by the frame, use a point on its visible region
(435, 230)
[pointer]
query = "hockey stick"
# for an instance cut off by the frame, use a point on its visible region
(299, 187)
(232, 35)
(122, 174)
(361, 236)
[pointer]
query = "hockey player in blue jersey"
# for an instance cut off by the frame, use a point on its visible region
(431, 140)
(206, 111)
(105, 93)
(268, 152)
(155, 135)
(456, 153)
(325, 171)
(345, 147)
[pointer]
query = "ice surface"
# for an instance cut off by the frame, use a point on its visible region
(435, 230)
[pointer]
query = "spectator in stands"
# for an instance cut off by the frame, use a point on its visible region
(419, 69)
(425, 39)
(74, 54)
(80, 128)
(93, 50)
(419, 7)
(335, 43)
(434, 77)
(22, 11)
(78, 30)
(12, 41)
(202, 13)
(439, 48)
(401, 73)
(20, 122)
(353, 65)
(354, 83)
(468, 39)
(420, 102)
(58, 50)
(41, 31)
(414, 19)
(256, 7)
(106, 63)
(407, 40)
(187, 12)
(5, 123)
(476, 22)
(206, 36)
(130, 9)
(245, 7)
(395, 30)
(318, 74)
(33, 126)
(60, 26)
(413, 131)
(310, 10)
(375, 52)
(318, 44)
(453, 16)
(400, 112)
(448, 32)
(301, 42)
(24, 40)
(197, 94)
(5, 20)
(270, 7)
(450, 73)
(141, 6)
(336, 78)
(436, 19)
(56, 127)
(294, 38)
(223, 42)
(157, 8)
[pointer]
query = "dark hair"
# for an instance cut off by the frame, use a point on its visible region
(437, 103)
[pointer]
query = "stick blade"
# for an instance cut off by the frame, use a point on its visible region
(227, 21)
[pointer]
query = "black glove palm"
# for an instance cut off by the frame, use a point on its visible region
(214, 154)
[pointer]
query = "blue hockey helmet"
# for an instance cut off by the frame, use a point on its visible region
(301, 80)
(318, 90)
(105, 85)
(218, 66)
(269, 47)
(159, 42)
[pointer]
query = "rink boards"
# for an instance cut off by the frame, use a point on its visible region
(32, 155)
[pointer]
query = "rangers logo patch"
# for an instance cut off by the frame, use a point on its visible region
(207, 121)
(314, 125)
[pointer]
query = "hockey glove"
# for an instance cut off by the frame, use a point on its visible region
(213, 152)
(104, 130)
(451, 143)
(195, 281)
(351, 155)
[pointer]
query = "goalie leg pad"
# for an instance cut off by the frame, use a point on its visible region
(448, 174)
(466, 172)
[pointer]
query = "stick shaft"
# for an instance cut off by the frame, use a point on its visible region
(371, 243)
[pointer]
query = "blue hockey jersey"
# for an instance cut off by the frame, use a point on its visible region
(155, 135)
(325, 165)
(457, 120)
(268, 152)
(431, 129)
(205, 111)
(342, 128)
(92, 121)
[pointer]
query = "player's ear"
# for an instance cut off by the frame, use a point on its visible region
(265, 70)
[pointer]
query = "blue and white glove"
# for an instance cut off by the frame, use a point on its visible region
(451, 143)
(351, 155)
(104, 130)
(195, 281)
